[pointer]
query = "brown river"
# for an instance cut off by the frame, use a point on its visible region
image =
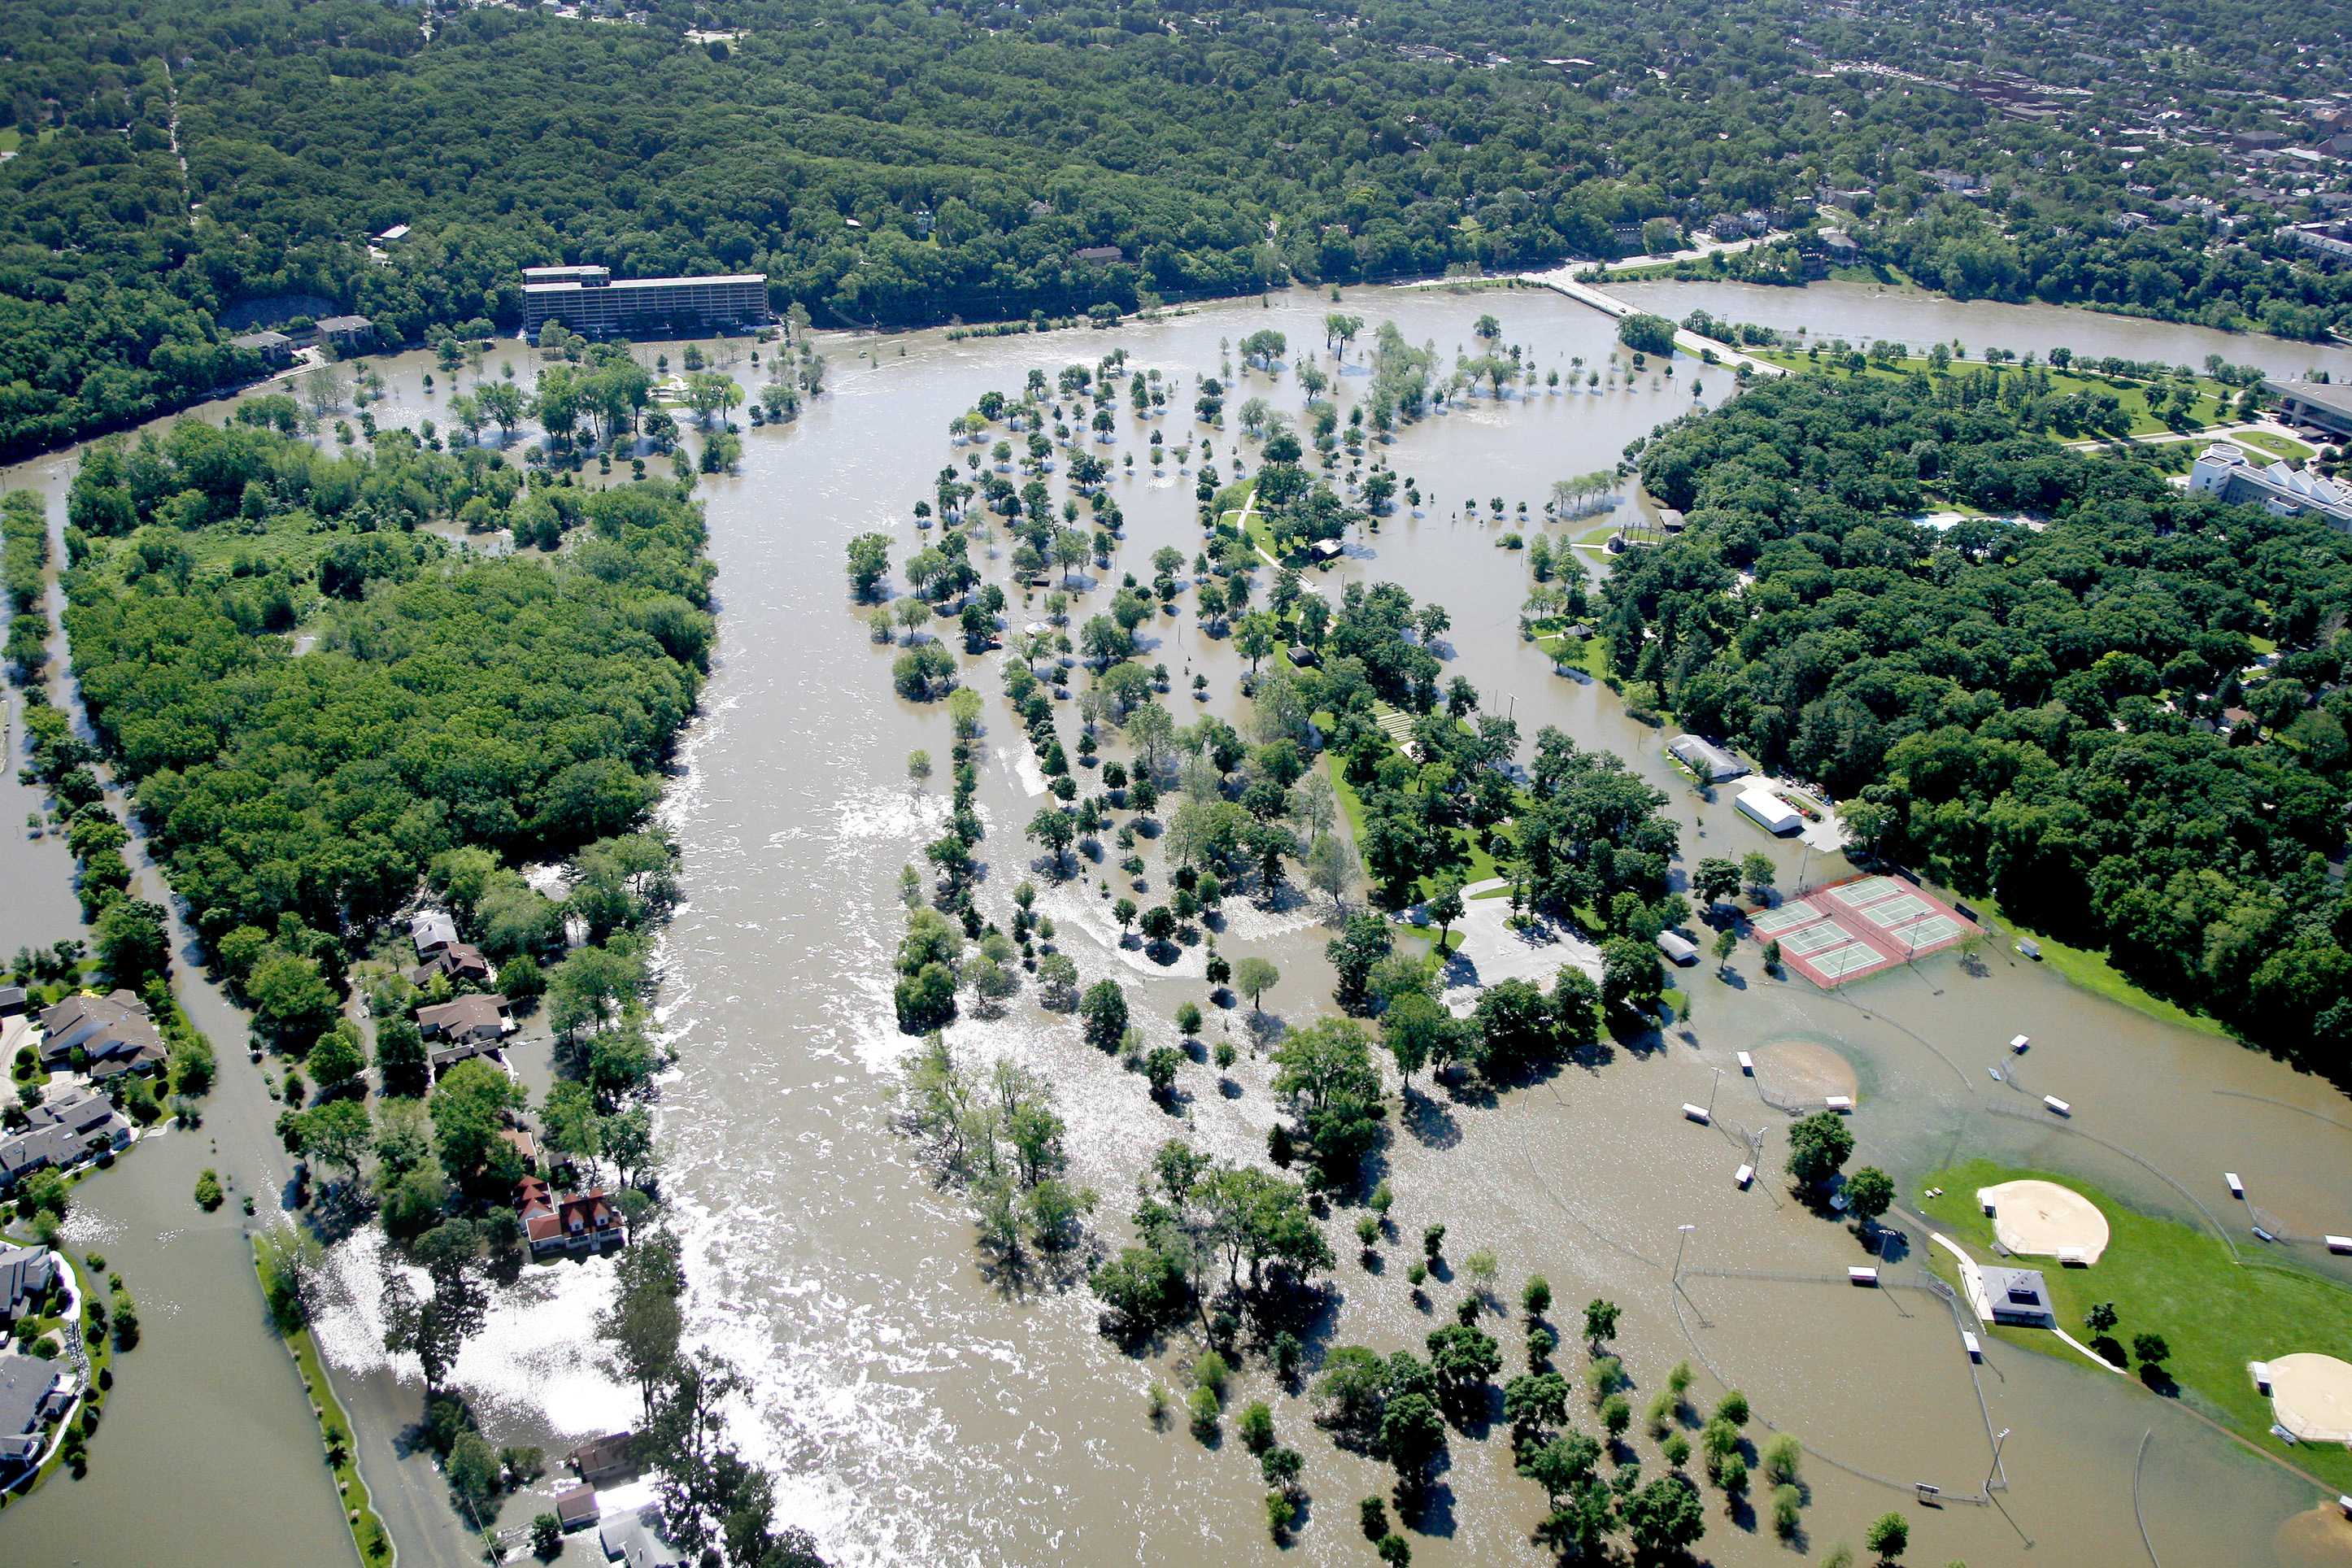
(920, 1412)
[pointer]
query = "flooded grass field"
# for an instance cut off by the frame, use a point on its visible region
(923, 1409)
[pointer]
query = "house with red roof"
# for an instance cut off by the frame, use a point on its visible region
(575, 1222)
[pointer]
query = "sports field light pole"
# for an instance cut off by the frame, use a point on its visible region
(1997, 1442)
(1685, 1230)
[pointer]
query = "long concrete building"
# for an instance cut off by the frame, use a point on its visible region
(2223, 470)
(591, 301)
(2313, 405)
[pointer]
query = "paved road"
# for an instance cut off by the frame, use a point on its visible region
(1562, 280)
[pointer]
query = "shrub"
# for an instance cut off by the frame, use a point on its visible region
(1256, 1428)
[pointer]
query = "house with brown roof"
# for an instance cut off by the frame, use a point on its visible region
(525, 1146)
(609, 1458)
(114, 1032)
(480, 1019)
(455, 961)
(575, 1506)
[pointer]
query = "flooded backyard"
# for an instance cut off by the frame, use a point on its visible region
(916, 1408)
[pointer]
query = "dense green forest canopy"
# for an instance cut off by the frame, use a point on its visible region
(2074, 717)
(311, 699)
(896, 163)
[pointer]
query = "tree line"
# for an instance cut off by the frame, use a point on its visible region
(2125, 718)
(912, 163)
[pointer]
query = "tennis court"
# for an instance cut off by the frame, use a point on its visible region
(1932, 932)
(1818, 937)
(1787, 918)
(1868, 890)
(1846, 962)
(1887, 913)
(1859, 928)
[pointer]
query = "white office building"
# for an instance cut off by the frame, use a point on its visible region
(591, 301)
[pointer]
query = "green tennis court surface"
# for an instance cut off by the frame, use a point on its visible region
(1852, 958)
(1895, 911)
(1806, 941)
(1869, 891)
(1788, 917)
(1933, 931)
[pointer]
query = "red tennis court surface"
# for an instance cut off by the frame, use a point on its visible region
(1858, 928)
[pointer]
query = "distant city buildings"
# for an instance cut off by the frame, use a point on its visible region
(591, 301)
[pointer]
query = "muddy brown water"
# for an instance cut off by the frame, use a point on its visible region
(922, 1409)
(1867, 311)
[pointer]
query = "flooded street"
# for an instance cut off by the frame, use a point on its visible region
(919, 1410)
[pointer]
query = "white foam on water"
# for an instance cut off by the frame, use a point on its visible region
(536, 1351)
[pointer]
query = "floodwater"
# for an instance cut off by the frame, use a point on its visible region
(920, 1409)
(1867, 311)
(208, 1414)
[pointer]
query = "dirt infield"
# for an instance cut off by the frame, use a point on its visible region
(1858, 928)
(2041, 1219)
(1804, 1069)
(2311, 1394)
(2318, 1537)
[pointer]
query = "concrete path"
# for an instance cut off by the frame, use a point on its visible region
(2210, 432)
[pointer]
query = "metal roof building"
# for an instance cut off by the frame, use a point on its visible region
(1710, 762)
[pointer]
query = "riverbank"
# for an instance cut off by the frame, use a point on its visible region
(1864, 312)
(368, 1539)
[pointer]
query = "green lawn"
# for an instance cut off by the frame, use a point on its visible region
(1589, 654)
(2217, 1315)
(2132, 395)
(1886, 277)
(1233, 504)
(2092, 971)
(2276, 446)
(1476, 865)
